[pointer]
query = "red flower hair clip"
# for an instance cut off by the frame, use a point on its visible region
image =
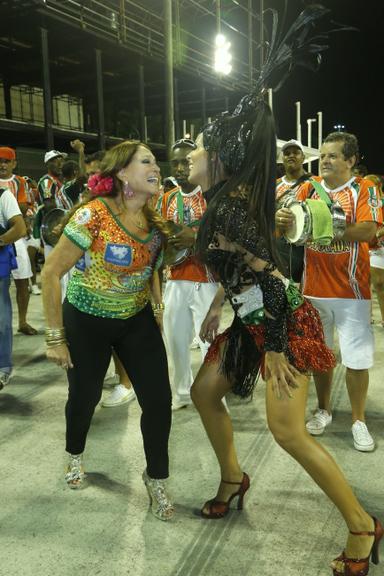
(100, 186)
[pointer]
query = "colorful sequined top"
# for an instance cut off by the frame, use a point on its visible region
(111, 279)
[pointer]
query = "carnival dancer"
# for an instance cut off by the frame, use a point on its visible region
(115, 240)
(190, 288)
(275, 329)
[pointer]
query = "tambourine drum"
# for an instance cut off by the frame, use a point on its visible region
(50, 221)
(173, 256)
(301, 230)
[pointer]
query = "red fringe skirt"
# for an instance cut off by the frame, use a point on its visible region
(307, 350)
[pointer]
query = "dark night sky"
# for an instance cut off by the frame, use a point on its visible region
(346, 88)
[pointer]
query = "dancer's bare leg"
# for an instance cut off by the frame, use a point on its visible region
(287, 424)
(207, 392)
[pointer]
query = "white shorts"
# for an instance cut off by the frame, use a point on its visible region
(352, 320)
(376, 258)
(34, 242)
(23, 270)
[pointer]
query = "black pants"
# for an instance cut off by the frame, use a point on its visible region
(140, 347)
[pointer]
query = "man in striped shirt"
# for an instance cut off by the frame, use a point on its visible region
(336, 279)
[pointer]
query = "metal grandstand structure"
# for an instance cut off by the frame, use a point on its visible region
(140, 27)
(104, 70)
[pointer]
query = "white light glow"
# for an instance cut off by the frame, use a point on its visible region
(223, 57)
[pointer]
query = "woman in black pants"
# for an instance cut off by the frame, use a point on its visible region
(115, 242)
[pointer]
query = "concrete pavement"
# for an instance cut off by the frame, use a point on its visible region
(288, 526)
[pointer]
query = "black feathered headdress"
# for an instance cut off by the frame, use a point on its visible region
(301, 45)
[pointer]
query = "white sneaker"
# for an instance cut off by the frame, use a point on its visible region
(319, 421)
(362, 440)
(35, 290)
(178, 405)
(119, 395)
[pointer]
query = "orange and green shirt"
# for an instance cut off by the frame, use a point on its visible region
(186, 209)
(17, 185)
(341, 269)
(112, 278)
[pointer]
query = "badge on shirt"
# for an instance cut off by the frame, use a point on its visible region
(83, 216)
(80, 264)
(118, 254)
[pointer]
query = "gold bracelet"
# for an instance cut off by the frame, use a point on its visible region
(158, 307)
(55, 343)
(54, 332)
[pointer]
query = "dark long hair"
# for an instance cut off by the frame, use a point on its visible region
(251, 165)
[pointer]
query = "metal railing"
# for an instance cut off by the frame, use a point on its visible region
(140, 27)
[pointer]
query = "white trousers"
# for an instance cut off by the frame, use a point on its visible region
(186, 305)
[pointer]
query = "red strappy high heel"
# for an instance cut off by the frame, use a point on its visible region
(219, 509)
(360, 567)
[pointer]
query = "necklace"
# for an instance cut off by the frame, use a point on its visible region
(139, 222)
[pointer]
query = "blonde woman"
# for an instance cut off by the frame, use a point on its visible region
(115, 242)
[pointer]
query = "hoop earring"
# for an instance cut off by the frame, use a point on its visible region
(127, 190)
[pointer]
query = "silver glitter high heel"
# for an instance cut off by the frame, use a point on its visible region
(161, 506)
(74, 476)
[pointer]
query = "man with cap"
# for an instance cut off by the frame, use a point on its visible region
(48, 188)
(293, 156)
(18, 187)
(50, 183)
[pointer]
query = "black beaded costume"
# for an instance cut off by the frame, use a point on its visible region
(293, 325)
(243, 145)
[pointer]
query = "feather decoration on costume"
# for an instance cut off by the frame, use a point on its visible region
(301, 45)
(245, 143)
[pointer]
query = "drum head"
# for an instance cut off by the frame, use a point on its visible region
(174, 257)
(296, 231)
(50, 221)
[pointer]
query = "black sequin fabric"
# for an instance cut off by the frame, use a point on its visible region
(296, 332)
(235, 275)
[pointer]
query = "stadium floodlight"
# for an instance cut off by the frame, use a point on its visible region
(223, 57)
